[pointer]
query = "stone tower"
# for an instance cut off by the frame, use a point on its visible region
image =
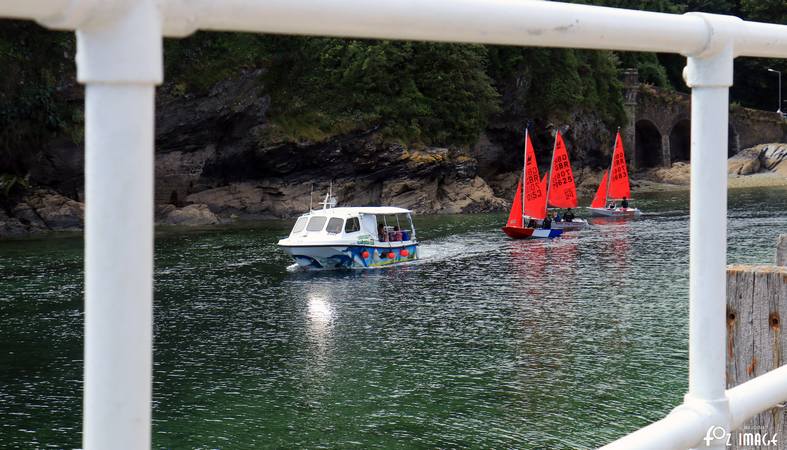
(630, 89)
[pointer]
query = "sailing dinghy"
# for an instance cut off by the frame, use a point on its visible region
(562, 191)
(614, 186)
(530, 201)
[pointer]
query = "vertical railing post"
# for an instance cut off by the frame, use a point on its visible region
(710, 76)
(119, 59)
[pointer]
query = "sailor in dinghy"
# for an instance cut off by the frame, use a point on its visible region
(530, 202)
(351, 237)
(614, 186)
(561, 190)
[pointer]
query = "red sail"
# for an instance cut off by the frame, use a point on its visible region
(562, 190)
(535, 191)
(541, 207)
(619, 175)
(600, 200)
(515, 216)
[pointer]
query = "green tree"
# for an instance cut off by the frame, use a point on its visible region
(198, 62)
(754, 85)
(425, 92)
(771, 11)
(553, 83)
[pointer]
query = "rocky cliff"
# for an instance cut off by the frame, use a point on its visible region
(219, 157)
(221, 151)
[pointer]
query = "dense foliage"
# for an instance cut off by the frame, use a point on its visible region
(550, 83)
(439, 94)
(432, 93)
(37, 70)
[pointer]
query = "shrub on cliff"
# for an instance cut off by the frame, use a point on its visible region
(425, 92)
(555, 83)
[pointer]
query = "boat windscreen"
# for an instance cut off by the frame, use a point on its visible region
(300, 224)
(316, 223)
(335, 225)
(352, 225)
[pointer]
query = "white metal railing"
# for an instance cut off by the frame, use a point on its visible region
(119, 58)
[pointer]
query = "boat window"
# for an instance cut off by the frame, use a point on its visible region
(316, 223)
(300, 224)
(394, 228)
(335, 225)
(352, 225)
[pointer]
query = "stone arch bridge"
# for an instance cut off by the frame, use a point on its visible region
(659, 127)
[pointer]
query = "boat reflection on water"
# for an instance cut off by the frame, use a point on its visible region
(610, 220)
(564, 258)
(545, 306)
(527, 260)
(541, 263)
(618, 233)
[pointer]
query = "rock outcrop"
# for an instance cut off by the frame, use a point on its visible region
(762, 165)
(11, 226)
(746, 162)
(774, 158)
(191, 215)
(42, 210)
(765, 157)
(54, 210)
(278, 198)
(678, 174)
(236, 198)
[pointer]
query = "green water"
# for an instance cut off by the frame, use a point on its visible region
(485, 342)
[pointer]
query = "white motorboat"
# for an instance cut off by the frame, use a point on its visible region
(352, 237)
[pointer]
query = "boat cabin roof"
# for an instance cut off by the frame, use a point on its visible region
(352, 211)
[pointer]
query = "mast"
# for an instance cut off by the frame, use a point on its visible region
(611, 161)
(551, 168)
(524, 174)
(329, 201)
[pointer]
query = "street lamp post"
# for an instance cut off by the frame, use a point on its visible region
(779, 109)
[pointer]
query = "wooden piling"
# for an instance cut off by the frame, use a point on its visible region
(781, 251)
(756, 344)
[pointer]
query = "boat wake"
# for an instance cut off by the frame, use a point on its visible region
(470, 245)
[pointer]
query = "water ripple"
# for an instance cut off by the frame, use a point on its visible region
(484, 342)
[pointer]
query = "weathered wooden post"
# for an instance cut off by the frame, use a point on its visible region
(756, 306)
(781, 251)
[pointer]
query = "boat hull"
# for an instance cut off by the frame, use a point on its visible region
(321, 257)
(622, 213)
(531, 233)
(575, 225)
